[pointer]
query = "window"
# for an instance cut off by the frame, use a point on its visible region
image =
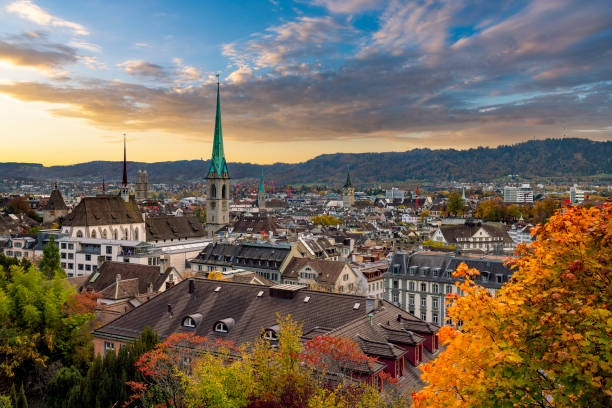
(435, 302)
(70, 246)
(109, 250)
(435, 318)
(395, 297)
(213, 191)
(345, 277)
(436, 272)
(423, 301)
(223, 192)
(63, 245)
(395, 284)
(93, 233)
(500, 278)
(434, 288)
(70, 256)
(109, 346)
(411, 286)
(70, 266)
(79, 234)
(411, 300)
(396, 268)
(80, 267)
(423, 287)
(220, 327)
(423, 316)
(88, 257)
(413, 270)
(269, 335)
(189, 322)
(449, 289)
(63, 255)
(115, 234)
(136, 234)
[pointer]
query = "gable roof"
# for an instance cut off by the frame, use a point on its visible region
(171, 227)
(329, 271)
(254, 225)
(467, 230)
(262, 256)
(104, 210)
(134, 279)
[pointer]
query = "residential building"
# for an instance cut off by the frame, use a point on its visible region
(332, 276)
(576, 195)
(475, 236)
(267, 259)
(242, 313)
(419, 282)
(168, 228)
(373, 273)
(519, 195)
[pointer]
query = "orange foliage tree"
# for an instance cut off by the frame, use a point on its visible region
(543, 339)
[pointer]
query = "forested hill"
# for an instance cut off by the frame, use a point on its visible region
(536, 158)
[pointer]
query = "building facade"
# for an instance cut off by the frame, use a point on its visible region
(142, 185)
(419, 282)
(519, 195)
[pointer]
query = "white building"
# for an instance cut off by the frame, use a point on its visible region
(395, 194)
(522, 194)
(576, 195)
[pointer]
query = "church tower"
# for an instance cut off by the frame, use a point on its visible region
(124, 191)
(348, 192)
(217, 180)
(261, 195)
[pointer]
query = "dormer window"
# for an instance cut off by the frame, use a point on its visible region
(221, 328)
(224, 326)
(192, 321)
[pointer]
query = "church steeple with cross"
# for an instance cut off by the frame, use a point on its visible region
(217, 179)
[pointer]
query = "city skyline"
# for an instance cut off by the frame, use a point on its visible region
(299, 79)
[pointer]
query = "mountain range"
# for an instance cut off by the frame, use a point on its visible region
(567, 157)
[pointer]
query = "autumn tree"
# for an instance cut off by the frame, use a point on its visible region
(326, 220)
(543, 339)
(455, 204)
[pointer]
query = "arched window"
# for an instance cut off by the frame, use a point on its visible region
(115, 235)
(104, 234)
(93, 233)
(79, 234)
(223, 192)
(125, 234)
(189, 322)
(136, 234)
(220, 327)
(213, 191)
(434, 288)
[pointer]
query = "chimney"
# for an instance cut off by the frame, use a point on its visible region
(191, 285)
(371, 315)
(399, 317)
(117, 277)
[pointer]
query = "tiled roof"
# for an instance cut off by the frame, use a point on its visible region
(254, 225)
(329, 271)
(142, 275)
(104, 210)
(244, 255)
(239, 301)
(170, 227)
(56, 201)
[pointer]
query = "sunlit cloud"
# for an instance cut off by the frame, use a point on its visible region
(30, 11)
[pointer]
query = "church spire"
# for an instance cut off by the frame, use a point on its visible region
(348, 179)
(217, 161)
(124, 182)
(262, 187)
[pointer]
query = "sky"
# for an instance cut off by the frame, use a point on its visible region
(298, 78)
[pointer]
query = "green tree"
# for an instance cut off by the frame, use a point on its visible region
(455, 204)
(50, 262)
(5, 401)
(64, 390)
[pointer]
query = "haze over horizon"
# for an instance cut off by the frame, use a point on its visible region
(299, 78)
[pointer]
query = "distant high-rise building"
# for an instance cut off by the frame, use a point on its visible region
(348, 192)
(142, 185)
(217, 180)
(261, 195)
(576, 195)
(520, 195)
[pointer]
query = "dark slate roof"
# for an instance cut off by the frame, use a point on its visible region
(104, 280)
(252, 255)
(467, 230)
(239, 301)
(56, 201)
(254, 225)
(170, 227)
(329, 271)
(425, 262)
(104, 210)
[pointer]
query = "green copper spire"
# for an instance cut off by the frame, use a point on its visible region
(262, 187)
(463, 193)
(348, 179)
(217, 161)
